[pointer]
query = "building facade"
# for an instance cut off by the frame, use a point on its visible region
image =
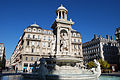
(7, 64)
(100, 47)
(36, 42)
(117, 34)
(2, 55)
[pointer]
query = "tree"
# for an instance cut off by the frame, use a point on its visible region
(104, 64)
(91, 65)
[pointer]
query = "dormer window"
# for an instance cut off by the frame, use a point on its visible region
(49, 32)
(39, 31)
(78, 35)
(29, 30)
(74, 34)
(34, 30)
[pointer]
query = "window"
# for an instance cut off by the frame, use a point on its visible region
(31, 64)
(45, 32)
(32, 50)
(38, 37)
(74, 53)
(74, 46)
(29, 30)
(28, 35)
(37, 59)
(44, 37)
(78, 35)
(33, 36)
(74, 40)
(78, 41)
(49, 38)
(48, 44)
(74, 34)
(43, 44)
(38, 30)
(78, 46)
(33, 43)
(38, 43)
(25, 64)
(49, 32)
(31, 58)
(26, 58)
(27, 42)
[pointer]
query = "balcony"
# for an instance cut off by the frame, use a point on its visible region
(33, 39)
(77, 43)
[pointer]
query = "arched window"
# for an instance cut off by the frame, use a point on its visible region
(32, 50)
(26, 58)
(31, 58)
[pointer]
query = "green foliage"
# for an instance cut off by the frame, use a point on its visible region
(104, 64)
(91, 64)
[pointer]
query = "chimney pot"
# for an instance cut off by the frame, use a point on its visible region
(95, 36)
(107, 36)
(111, 37)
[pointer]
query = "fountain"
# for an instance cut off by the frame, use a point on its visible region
(63, 69)
(63, 63)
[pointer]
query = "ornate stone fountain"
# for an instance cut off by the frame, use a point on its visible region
(63, 63)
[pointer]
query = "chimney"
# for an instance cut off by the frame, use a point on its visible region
(99, 36)
(107, 36)
(111, 37)
(95, 36)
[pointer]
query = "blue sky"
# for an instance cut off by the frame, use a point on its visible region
(90, 17)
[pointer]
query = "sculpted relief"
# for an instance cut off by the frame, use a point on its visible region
(63, 40)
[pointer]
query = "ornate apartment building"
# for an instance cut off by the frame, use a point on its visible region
(117, 34)
(100, 47)
(36, 42)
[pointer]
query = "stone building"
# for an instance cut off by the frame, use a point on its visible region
(2, 55)
(117, 34)
(100, 47)
(7, 64)
(36, 42)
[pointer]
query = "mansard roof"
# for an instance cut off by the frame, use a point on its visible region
(34, 26)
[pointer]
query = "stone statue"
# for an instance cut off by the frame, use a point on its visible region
(43, 71)
(63, 41)
(98, 69)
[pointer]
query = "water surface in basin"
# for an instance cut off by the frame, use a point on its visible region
(16, 77)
